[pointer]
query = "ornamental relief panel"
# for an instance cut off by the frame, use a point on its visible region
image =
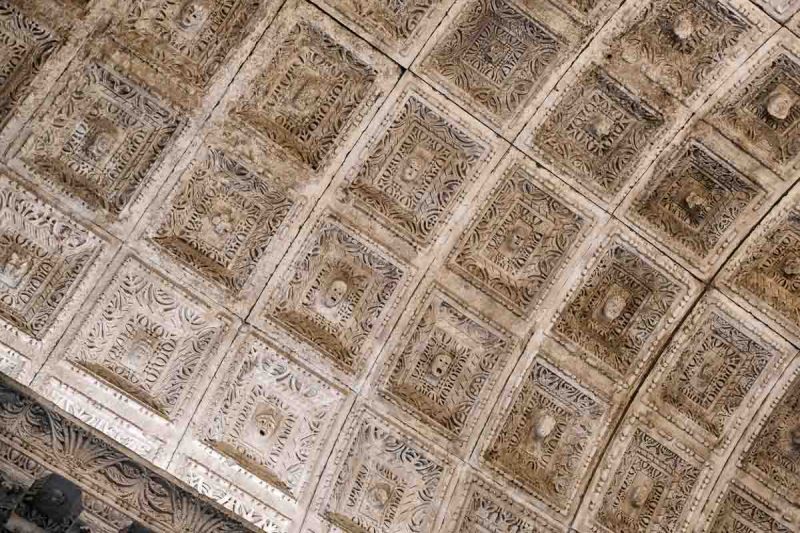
(101, 141)
(416, 168)
(743, 511)
(189, 40)
(716, 368)
(270, 415)
(308, 89)
(479, 506)
(648, 481)
(757, 110)
(687, 46)
(623, 307)
(601, 128)
(336, 295)
(48, 263)
(701, 196)
(219, 225)
(545, 435)
(146, 340)
(445, 366)
(529, 228)
(493, 56)
(380, 478)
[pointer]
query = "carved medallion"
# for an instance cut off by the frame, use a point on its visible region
(418, 170)
(147, 338)
(598, 133)
(270, 415)
(651, 487)
(220, 221)
(448, 363)
(521, 240)
(188, 39)
(101, 140)
(495, 56)
(337, 294)
(382, 479)
(547, 436)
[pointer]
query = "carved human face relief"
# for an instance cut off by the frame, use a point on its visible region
(14, 265)
(615, 302)
(779, 102)
(192, 15)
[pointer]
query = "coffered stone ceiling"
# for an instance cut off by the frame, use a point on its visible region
(407, 266)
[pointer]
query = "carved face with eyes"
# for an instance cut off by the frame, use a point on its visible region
(780, 102)
(192, 15)
(101, 145)
(683, 26)
(543, 427)
(791, 267)
(516, 237)
(639, 492)
(441, 362)
(266, 422)
(378, 497)
(614, 306)
(13, 269)
(333, 294)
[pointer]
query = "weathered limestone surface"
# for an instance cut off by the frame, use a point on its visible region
(410, 266)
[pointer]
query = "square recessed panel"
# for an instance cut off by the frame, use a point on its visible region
(715, 371)
(417, 162)
(623, 307)
(518, 245)
(445, 366)
(48, 265)
(773, 452)
(148, 340)
(764, 274)
(397, 28)
(599, 132)
(688, 46)
(101, 140)
(336, 295)
(218, 225)
(545, 434)
(493, 57)
(480, 506)
(308, 90)
(269, 415)
(700, 198)
(742, 510)
(758, 108)
(380, 478)
(781, 10)
(190, 40)
(648, 481)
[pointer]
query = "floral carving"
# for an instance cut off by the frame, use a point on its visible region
(716, 369)
(774, 456)
(546, 441)
(618, 309)
(770, 272)
(337, 294)
(384, 480)
(448, 363)
(761, 112)
(146, 337)
(684, 45)
(741, 512)
(45, 259)
(101, 140)
(416, 173)
(25, 45)
(190, 39)
(651, 486)
(222, 219)
(598, 132)
(271, 416)
(496, 55)
(695, 199)
(519, 242)
(309, 96)
(484, 508)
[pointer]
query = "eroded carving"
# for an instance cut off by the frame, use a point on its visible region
(741, 512)
(337, 294)
(519, 243)
(148, 338)
(545, 442)
(448, 363)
